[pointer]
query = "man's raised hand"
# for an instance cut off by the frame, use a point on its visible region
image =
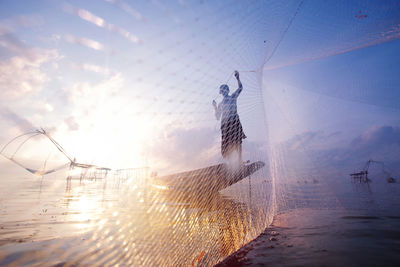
(236, 74)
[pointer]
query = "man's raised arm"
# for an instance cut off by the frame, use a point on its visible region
(240, 86)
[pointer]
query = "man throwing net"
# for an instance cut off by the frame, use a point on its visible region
(231, 128)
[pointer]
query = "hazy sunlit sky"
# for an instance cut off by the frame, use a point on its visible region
(130, 83)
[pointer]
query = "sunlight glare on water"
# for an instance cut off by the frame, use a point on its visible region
(96, 217)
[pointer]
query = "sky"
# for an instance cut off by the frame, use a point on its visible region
(127, 84)
(329, 87)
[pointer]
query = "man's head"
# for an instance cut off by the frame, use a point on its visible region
(224, 90)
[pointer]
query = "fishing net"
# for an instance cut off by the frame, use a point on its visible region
(124, 91)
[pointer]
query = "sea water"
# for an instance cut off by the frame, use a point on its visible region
(360, 228)
(111, 220)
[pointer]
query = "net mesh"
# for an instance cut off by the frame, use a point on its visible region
(127, 89)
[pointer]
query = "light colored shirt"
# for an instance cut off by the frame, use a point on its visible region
(228, 107)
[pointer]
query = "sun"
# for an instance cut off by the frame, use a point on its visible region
(110, 141)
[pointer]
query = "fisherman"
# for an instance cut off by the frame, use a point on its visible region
(231, 128)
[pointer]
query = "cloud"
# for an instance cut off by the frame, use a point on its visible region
(179, 149)
(21, 21)
(84, 94)
(127, 8)
(381, 143)
(377, 137)
(13, 46)
(310, 140)
(21, 123)
(21, 78)
(378, 143)
(255, 151)
(86, 15)
(94, 68)
(29, 21)
(302, 140)
(72, 123)
(20, 72)
(18, 77)
(100, 22)
(184, 148)
(84, 42)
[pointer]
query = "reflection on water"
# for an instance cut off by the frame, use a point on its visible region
(310, 237)
(125, 220)
(346, 224)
